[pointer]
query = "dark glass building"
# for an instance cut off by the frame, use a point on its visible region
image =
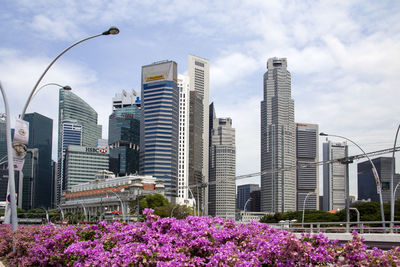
(40, 138)
(124, 138)
(244, 193)
(159, 124)
(366, 181)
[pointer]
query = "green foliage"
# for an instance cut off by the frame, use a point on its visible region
(309, 216)
(153, 201)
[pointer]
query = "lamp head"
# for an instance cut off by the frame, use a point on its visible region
(67, 87)
(323, 134)
(112, 30)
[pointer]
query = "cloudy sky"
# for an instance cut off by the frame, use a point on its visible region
(344, 57)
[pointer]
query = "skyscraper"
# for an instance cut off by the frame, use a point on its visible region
(222, 188)
(73, 108)
(199, 75)
(278, 140)
(366, 180)
(159, 124)
(124, 134)
(183, 152)
(307, 171)
(334, 176)
(40, 137)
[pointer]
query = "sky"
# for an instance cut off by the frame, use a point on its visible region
(343, 56)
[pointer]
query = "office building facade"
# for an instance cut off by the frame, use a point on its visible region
(222, 184)
(159, 125)
(366, 181)
(334, 176)
(83, 163)
(199, 75)
(278, 140)
(73, 108)
(183, 151)
(124, 134)
(244, 194)
(39, 148)
(307, 171)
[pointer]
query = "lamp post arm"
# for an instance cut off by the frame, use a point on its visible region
(48, 67)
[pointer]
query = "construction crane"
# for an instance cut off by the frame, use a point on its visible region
(315, 164)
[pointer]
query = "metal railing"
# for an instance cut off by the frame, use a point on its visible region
(362, 227)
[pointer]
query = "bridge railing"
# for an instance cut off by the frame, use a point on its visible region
(362, 227)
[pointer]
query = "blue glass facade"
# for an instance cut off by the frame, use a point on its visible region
(159, 124)
(124, 139)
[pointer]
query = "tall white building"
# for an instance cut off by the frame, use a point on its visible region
(183, 145)
(278, 140)
(334, 176)
(222, 189)
(199, 75)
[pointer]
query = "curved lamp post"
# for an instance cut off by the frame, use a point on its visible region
(112, 30)
(85, 212)
(392, 190)
(66, 87)
(244, 208)
(122, 205)
(11, 181)
(304, 207)
(374, 171)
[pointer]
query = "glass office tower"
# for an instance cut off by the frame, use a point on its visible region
(159, 124)
(124, 134)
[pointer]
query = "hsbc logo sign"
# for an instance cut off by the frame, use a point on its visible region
(96, 150)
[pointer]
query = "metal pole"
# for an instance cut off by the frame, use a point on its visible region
(195, 204)
(347, 189)
(11, 181)
(392, 198)
(374, 171)
(304, 205)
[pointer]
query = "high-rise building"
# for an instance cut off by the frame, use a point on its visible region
(124, 134)
(183, 151)
(334, 176)
(196, 157)
(199, 75)
(307, 171)
(244, 193)
(366, 181)
(278, 140)
(159, 124)
(73, 108)
(222, 188)
(83, 163)
(40, 138)
(71, 134)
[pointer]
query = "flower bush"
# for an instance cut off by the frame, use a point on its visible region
(195, 241)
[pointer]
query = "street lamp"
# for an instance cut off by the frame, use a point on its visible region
(374, 171)
(122, 205)
(112, 31)
(11, 180)
(244, 208)
(304, 206)
(392, 190)
(66, 87)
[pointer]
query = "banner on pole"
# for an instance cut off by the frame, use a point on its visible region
(20, 143)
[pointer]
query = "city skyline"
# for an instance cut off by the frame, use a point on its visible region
(342, 58)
